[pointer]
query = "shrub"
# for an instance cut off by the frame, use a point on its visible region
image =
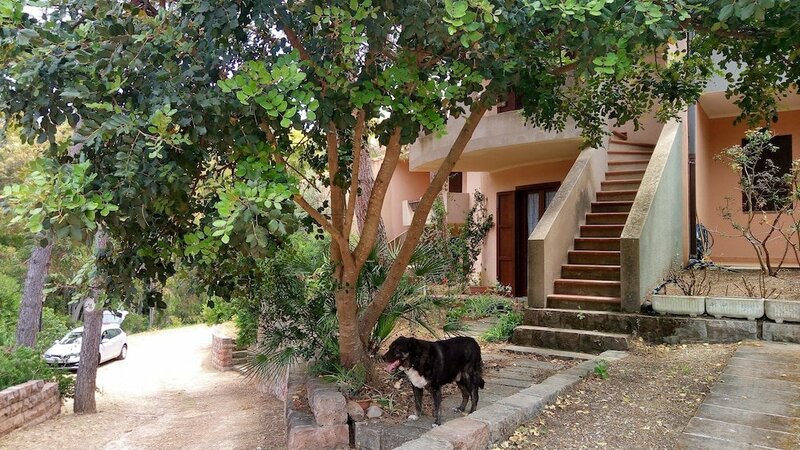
(25, 364)
(54, 326)
(9, 307)
(135, 323)
(504, 328)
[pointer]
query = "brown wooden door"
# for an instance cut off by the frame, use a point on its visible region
(531, 203)
(506, 239)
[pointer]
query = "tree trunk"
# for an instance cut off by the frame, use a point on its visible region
(86, 380)
(30, 310)
(352, 350)
(366, 178)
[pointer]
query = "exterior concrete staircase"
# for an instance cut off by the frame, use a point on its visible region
(590, 281)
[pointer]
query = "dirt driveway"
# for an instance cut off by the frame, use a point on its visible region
(165, 395)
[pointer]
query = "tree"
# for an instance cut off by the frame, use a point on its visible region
(30, 308)
(203, 121)
(86, 379)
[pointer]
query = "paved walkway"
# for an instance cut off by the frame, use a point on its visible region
(504, 373)
(754, 404)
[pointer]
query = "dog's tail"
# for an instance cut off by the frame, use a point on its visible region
(481, 383)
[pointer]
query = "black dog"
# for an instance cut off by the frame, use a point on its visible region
(431, 365)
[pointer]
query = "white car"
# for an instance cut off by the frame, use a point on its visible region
(67, 351)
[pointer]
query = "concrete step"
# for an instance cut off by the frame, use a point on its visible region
(593, 257)
(601, 207)
(590, 272)
(628, 164)
(597, 243)
(616, 144)
(583, 302)
(625, 174)
(628, 155)
(606, 218)
(620, 185)
(616, 196)
(602, 230)
(595, 288)
(548, 352)
(584, 341)
(607, 321)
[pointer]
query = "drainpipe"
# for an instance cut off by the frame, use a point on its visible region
(692, 135)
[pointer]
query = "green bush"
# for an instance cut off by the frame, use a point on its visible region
(135, 323)
(504, 328)
(479, 306)
(54, 326)
(221, 311)
(9, 308)
(25, 364)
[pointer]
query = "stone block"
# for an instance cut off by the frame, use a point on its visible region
(426, 443)
(672, 330)
(731, 330)
(299, 419)
(355, 411)
(547, 392)
(530, 405)
(463, 434)
(332, 437)
(395, 436)
(612, 355)
(368, 435)
(327, 403)
(781, 332)
(740, 308)
(502, 419)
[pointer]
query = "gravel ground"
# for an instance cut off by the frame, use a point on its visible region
(165, 395)
(644, 403)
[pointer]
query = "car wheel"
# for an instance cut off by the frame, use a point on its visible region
(123, 353)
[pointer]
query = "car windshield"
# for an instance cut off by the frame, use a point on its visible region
(72, 338)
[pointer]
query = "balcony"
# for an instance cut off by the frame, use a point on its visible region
(501, 141)
(716, 104)
(457, 206)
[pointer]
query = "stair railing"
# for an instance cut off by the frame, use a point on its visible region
(652, 240)
(553, 236)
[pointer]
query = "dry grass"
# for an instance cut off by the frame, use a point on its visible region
(737, 283)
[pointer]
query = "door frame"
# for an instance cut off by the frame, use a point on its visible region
(519, 283)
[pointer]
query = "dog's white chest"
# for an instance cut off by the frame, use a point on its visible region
(415, 378)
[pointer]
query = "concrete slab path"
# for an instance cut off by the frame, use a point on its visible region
(754, 404)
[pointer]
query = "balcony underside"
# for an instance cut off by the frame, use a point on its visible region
(501, 141)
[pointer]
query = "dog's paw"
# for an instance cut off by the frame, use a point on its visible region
(434, 425)
(458, 409)
(413, 417)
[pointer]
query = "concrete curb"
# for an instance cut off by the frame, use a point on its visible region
(495, 423)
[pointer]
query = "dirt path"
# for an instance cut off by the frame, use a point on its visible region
(165, 395)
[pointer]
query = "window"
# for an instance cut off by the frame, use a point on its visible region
(513, 102)
(781, 162)
(456, 183)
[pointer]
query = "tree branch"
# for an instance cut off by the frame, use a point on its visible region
(326, 225)
(374, 310)
(370, 232)
(354, 174)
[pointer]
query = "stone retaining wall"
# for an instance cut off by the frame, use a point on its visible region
(28, 404)
(321, 424)
(222, 351)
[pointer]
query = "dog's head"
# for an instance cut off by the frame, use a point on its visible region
(399, 353)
